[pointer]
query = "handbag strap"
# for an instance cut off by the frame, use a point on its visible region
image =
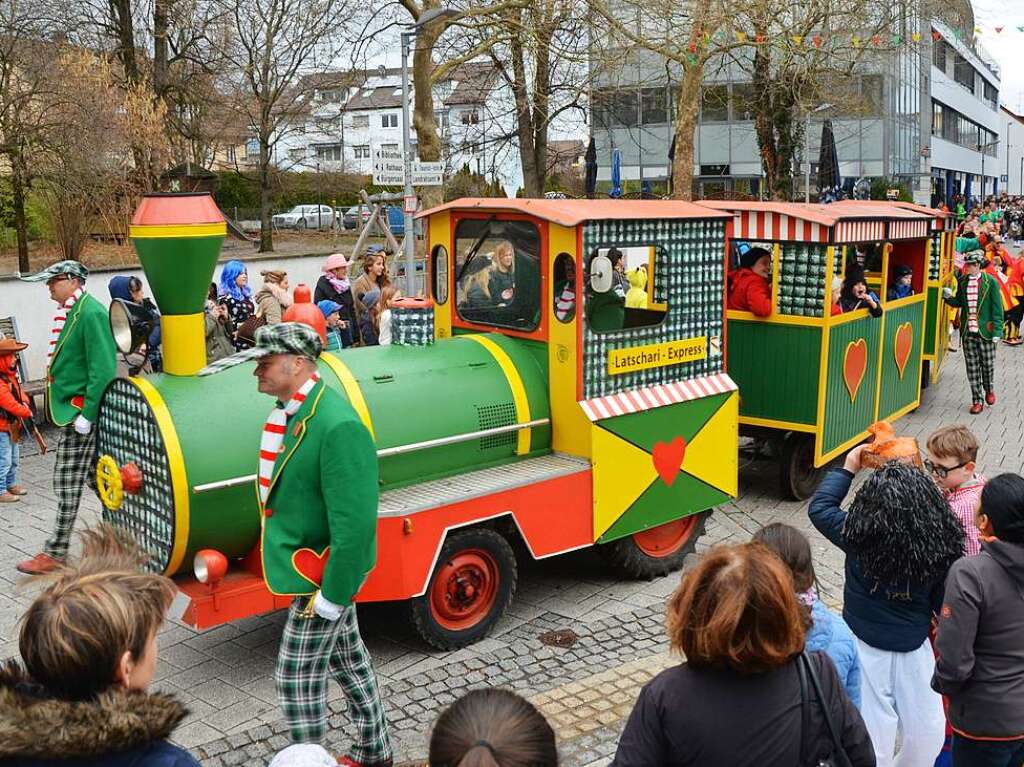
(839, 753)
(805, 715)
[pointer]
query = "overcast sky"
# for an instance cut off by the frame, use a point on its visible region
(1006, 47)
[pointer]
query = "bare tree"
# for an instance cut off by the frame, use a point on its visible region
(26, 96)
(266, 45)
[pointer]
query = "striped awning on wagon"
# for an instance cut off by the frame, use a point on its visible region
(909, 230)
(767, 225)
(860, 231)
(650, 397)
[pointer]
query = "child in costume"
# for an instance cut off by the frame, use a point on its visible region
(636, 297)
(13, 407)
(900, 540)
(952, 456)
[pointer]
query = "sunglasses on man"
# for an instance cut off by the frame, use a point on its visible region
(942, 471)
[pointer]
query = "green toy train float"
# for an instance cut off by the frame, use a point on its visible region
(522, 403)
(811, 380)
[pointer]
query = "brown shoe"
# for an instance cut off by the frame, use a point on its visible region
(17, 490)
(39, 564)
(9, 498)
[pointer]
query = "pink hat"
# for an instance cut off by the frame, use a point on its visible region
(334, 261)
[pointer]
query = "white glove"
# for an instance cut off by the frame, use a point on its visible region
(83, 425)
(325, 608)
(947, 292)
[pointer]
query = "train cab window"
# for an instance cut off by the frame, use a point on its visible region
(563, 297)
(439, 274)
(626, 287)
(497, 273)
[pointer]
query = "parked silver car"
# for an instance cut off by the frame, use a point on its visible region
(305, 217)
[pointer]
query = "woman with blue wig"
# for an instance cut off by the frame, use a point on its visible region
(236, 295)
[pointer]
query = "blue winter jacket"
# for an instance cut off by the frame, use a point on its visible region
(831, 635)
(893, 617)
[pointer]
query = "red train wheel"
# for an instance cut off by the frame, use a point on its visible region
(470, 589)
(665, 540)
(658, 551)
(464, 589)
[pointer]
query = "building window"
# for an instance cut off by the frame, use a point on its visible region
(252, 149)
(963, 73)
(939, 55)
(615, 108)
(990, 94)
(330, 153)
(936, 118)
(744, 101)
(361, 151)
(714, 105)
(654, 106)
(389, 121)
(469, 117)
(873, 93)
(360, 121)
(389, 147)
(296, 155)
(330, 95)
(230, 154)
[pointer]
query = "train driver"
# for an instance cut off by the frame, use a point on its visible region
(749, 287)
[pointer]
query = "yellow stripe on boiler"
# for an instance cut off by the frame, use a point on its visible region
(176, 461)
(515, 382)
(352, 390)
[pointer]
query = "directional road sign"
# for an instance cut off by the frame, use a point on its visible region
(427, 173)
(388, 167)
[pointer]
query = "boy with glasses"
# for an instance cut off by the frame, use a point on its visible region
(952, 453)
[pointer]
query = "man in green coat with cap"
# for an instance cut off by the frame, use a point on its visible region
(317, 487)
(981, 325)
(81, 362)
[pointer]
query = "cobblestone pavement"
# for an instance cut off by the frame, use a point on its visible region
(586, 690)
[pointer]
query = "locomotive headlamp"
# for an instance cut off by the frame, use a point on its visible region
(130, 324)
(601, 274)
(209, 566)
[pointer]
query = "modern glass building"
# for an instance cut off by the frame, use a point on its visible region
(882, 122)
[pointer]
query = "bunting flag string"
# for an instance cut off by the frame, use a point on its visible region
(707, 41)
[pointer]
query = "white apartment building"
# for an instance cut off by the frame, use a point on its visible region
(348, 116)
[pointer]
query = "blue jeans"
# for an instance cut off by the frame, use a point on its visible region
(9, 453)
(987, 753)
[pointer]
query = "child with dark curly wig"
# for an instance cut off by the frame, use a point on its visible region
(900, 541)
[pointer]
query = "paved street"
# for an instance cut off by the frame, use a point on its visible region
(586, 690)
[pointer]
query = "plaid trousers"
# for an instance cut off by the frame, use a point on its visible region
(312, 648)
(980, 358)
(75, 465)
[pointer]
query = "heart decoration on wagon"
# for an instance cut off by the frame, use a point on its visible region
(668, 459)
(855, 365)
(311, 565)
(902, 343)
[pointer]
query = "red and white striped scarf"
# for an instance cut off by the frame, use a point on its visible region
(566, 302)
(973, 283)
(58, 322)
(273, 434)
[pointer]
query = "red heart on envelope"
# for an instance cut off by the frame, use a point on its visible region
(311, 565)
(668, 459)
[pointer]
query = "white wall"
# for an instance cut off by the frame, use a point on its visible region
(1011, 152)
(30, 304)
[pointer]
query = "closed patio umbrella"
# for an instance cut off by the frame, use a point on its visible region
(616, 191)
(830, 184)
(591, 169)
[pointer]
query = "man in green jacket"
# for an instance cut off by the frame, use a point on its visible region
(82, 361)
(981, 325)
(317, 487)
